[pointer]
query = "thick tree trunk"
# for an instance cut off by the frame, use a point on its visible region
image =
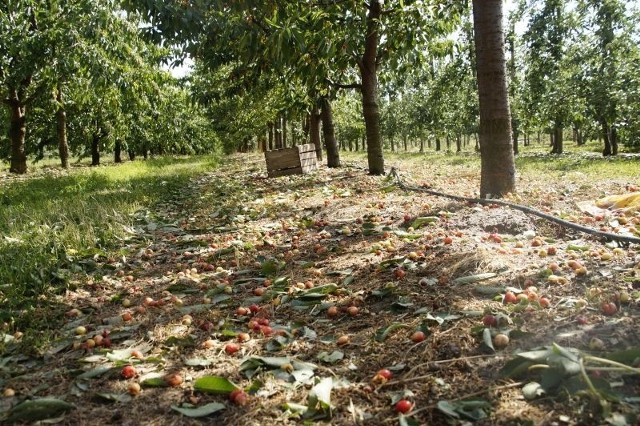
(270, 136)
(61, 131)
(328, 129)
(117, 152)
(17, 134)
(132, 155)
(496, 147)
(458, 142)
(314, 131)
(438, 144)
(369, 77)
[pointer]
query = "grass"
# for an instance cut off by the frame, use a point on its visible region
(49, 225)
(532, 160)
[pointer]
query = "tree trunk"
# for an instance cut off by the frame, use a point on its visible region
(61, 131)
(284, 129)
(515, 131)
(404, 141)
(278, 133)
(17, 134)
(132, 155)
(333, 153)
(458, 142)
(95, 149)
(608, 134)
(117, 152)
(270, 136)
(613, 139)
(438, 145)
(368, 74)
(558, 142)
(498, 172)
(314, 131)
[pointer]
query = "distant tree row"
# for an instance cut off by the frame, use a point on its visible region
(77, 77)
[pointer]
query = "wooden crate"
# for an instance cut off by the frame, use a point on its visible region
(297, 160)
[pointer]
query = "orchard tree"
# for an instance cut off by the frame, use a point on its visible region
(548, 73)
(496, 150)
(603, 52)
(322, 43)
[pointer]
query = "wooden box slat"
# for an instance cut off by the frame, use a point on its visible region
(288, 161)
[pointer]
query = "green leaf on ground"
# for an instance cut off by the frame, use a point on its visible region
(214, 384)
(38, 409)
(203, 411)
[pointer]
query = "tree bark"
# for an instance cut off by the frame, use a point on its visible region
(17, 133)
(368, 74)
(132, 155)
(61, 131)
(270, 136)
(314, 131)
(284, 130)
(95, 149)
(558, 136)
(497, 175)
(117, 152)
(328, 130)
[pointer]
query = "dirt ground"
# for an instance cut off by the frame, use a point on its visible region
(391, 262)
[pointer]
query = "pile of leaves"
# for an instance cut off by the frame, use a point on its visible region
(336, 297)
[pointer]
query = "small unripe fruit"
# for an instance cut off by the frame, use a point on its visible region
(382, 376)
(136, 354)
(128, 372)
(510, 297)
(332, 311)
(8, 393)
(173, 380)
(500, 340)
(231, 348)
(243, 337)
(352, 310)
(544, 302)
(490, 321)
(609, 308)
(81, 331)
(127, 316)
(134, 388)
(418, 337)
(241, 311)
(342, 340)
(126, 303)
(403, 406)
(239, 397)
(208, 344)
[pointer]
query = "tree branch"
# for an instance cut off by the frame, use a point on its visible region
(357, 86)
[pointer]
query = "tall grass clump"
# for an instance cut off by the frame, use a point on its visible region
(51, 227)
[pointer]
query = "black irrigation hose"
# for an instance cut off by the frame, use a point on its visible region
(608, 236)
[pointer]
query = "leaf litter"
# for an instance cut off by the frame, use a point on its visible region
(298, 290)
